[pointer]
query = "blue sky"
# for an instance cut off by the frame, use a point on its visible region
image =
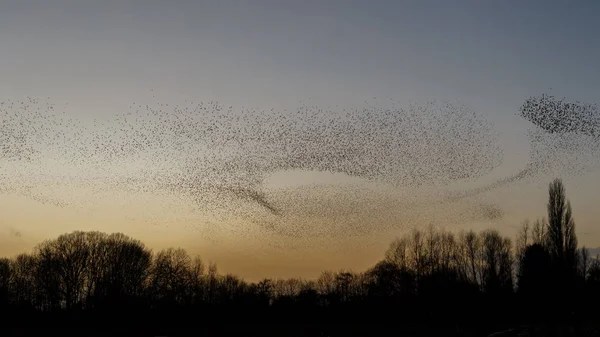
(257, 52)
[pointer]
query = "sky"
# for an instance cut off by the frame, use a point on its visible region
(100, 57)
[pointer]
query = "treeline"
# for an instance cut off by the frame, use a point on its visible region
(428, 275)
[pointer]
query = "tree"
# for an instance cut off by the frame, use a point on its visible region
(388, 280)
(48, 279)
(22, 284)
(4, 280)
(448, 251)
(308, 298)
(556, 217)
(498, 266)
(232, 289)
(69, 255)
(432, 244)
(212, 280)
(82, 271)
(326, 287)
(473, 249)
(523, 238)
(534, 276)
(584, 263)
(90, 269)
(593, 276)
(593, 279)
(396, 253)
(264, 290)
(562, 240)
(170, 275)
(419, 254)
(570, 242)
(539, 233)
(343, 282)
(126, 266)
(197, 279)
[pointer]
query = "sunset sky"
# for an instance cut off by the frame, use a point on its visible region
(96, 58)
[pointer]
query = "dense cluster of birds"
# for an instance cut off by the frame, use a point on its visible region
(558, 116)
(566, 136)
(564, 140)
(219, 157)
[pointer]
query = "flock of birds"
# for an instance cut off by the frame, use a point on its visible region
(564, 139)
(218, 158)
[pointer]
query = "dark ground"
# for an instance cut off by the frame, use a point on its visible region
(288, 330)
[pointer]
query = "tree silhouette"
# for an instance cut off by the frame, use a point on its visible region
(584, 263)
(4, 281)
(22, 284)
(534, 276)
(264, 291)
(556, 219)
(197, 280)
(426, 276)
(169, 276)
(562, 241)
(593, 276)
(561, 226)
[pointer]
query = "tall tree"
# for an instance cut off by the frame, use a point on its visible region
(570, 241)
(556, 216)
(562, 240)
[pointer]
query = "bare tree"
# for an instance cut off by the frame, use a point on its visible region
(523, 238)
(522, 241)
(99, 261)
(170, 275)
(447, 251)
(22, 285)
(506, 266)
(584, 262)
(265, 291)
(287, 288)
(69, 255)
(387, 280)
(361, 284)
(48, 280)
(492, 244)
(593, 276)
(197, 279)
(539, 233)
(343, 284)
(432, 242)
(212, 282)
(127, 265)
(472, 246)
(419, 253)
(397, 254)
(4, 280)
(326, 283)
(326, 287)
(232, 288)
